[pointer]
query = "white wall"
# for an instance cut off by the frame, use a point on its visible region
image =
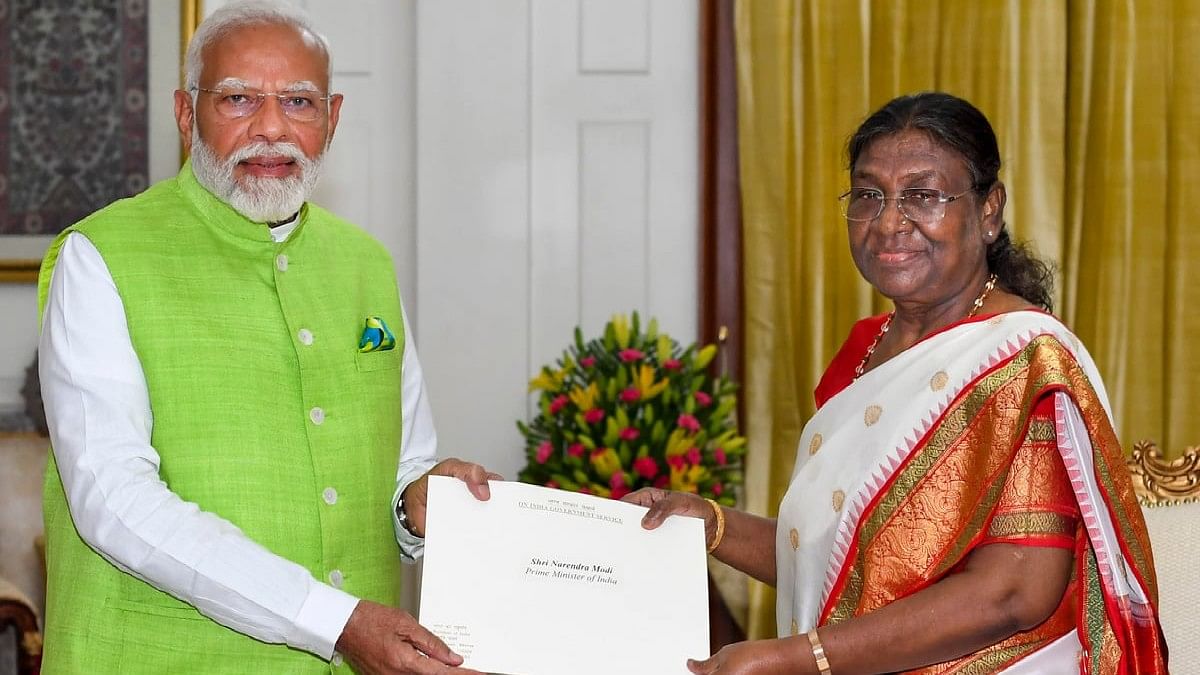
(557, 174)
(18, 302)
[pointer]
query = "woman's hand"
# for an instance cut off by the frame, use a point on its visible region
(664, 503)
(760, 657)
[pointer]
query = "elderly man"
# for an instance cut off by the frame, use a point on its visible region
(240, 428)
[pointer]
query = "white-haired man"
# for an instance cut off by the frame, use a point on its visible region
(237, 413)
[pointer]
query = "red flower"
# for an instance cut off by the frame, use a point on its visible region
(645, 467)
(630, 355)
(662, 482)
(672, 364)
(628, 434)
(575, 450)
(587, 361)
(583, 489)
(719, 455)
(593, 416)
(631, 395)
(558, 403)
(703, 399)
(552, 484)
(617, 480)
(693, 455)
(619, 492)
(717, 489)
(543, 452)
(688, 422)
(677, 462)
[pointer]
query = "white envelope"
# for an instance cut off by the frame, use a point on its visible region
(538, 581)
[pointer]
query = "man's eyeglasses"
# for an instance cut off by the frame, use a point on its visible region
(236, 102)
(920, 205)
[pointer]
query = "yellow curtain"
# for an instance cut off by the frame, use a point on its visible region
(1095, 108)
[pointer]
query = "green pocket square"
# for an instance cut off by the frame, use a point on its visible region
(376, 337)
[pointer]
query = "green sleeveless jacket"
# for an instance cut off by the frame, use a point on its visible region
(261, 400)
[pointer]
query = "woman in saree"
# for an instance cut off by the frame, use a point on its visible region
(959, 503)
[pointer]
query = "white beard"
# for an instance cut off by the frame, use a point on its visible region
(261, 199)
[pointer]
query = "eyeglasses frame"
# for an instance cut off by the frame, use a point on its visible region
(277, 95)
(942, 199)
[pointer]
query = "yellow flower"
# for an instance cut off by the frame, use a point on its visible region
(585, 399)
(620, 324)
(679, 442)
(547, 380)
(606, 462)
(687, 479)
(646, 385)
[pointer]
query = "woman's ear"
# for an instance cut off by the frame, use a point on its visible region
(993, 212)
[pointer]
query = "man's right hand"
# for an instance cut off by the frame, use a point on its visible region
(387, 641)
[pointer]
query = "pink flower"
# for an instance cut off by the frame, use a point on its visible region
(628, 434)
(583, 489)
(617, 480)
(703, 399)
(631, 395)
(543, 452)
(552, 484)
(662, 482)
(672, 364)
(677, 462)
(587, 361)
(688, 422)
(693, 455)
(557, 404)
(575, 450)
(719, 455)
(717, 489)
(619, 492)
(629, 355)
(593, 416)
(645, 467)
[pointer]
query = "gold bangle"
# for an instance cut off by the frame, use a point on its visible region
(818, 651)
(720, 525)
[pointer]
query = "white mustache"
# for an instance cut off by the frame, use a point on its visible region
(264, 149)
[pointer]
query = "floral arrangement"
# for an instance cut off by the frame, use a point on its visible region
(634, 409)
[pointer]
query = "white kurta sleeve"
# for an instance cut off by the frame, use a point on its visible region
(418, 444)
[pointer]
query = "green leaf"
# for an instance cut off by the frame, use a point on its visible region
(622, 418)
(658, 434)
(587, 442)
(611, 432)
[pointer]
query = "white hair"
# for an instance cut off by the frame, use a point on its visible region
(248, 13)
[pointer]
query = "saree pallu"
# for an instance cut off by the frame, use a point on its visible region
(898, 477)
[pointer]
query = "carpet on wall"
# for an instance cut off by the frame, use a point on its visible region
(73, 127)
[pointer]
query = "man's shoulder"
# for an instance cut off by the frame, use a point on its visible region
(150, 203)
(344, 231)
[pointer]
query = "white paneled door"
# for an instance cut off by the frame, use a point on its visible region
(556, 185)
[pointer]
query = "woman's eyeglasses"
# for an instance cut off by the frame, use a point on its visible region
(920, 205)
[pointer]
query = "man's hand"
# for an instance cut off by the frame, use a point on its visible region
(416, 495)
(382, 640)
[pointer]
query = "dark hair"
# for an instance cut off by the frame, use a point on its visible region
(961, 127)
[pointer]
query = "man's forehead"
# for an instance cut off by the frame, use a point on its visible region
(280, 52)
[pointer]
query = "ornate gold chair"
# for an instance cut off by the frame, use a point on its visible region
(1170, 496)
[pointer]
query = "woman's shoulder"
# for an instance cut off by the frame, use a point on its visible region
(841, 370)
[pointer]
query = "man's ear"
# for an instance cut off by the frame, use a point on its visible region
(185, 116)
(993, 212)
(335, 111)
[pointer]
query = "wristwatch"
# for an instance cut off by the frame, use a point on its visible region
(402, 518)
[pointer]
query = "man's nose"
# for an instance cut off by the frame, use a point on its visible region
(269, 123)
